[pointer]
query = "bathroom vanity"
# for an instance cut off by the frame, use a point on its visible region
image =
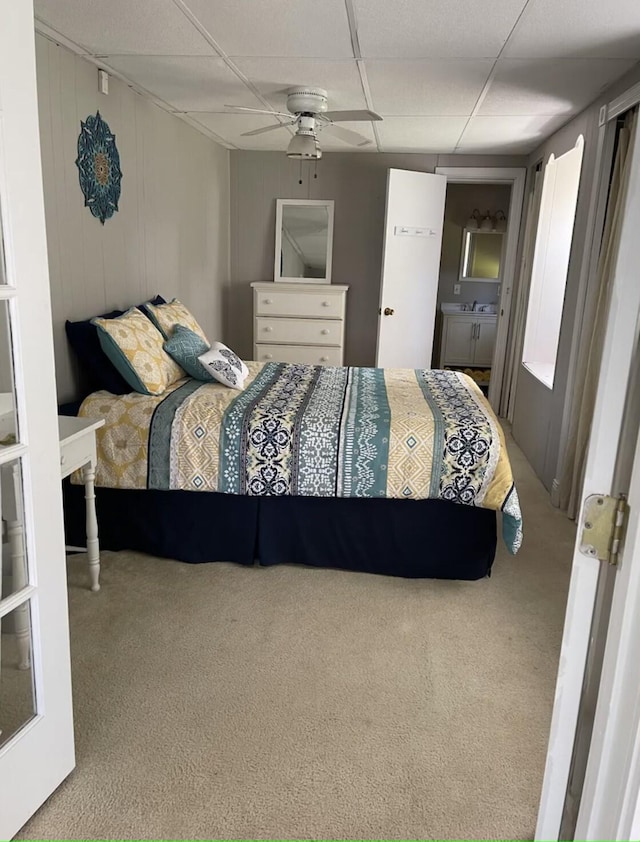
(468, 336)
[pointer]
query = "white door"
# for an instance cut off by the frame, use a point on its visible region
(410, 268)
(484, 341)
(599, 811)
(36, 739)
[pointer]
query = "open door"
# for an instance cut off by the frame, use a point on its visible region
(36, 722)
(610, 753)
(413, 225)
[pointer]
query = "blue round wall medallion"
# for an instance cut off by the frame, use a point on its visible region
(98, 164)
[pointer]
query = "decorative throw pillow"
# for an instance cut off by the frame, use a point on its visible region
(225, 366)
(185, 347)
(134, 346)
(96, 370)
(167, 316)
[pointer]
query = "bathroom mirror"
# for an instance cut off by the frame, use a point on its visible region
(481, 257)
(304, 241)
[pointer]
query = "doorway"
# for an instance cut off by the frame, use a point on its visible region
(471, 274)
(513, 179)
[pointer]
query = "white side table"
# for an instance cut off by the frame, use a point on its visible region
(78, 452)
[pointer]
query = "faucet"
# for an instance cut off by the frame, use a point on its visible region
(474, 309)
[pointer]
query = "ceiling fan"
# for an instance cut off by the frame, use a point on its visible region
(307, 110)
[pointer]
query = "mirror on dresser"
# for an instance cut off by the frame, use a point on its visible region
(304, 241)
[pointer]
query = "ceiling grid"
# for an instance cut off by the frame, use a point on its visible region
(445, 75)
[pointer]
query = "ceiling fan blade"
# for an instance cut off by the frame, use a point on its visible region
(266, 129)
(351, 116)
(243, 109)
(349, 136)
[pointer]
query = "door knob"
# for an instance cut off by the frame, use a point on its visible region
(389, 311)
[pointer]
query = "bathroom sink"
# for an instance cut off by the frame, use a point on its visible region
(453, 309)
(449, 309)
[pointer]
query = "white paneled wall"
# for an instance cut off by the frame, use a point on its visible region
(171, 234)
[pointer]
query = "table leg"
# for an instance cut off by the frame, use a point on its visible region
(93, 547)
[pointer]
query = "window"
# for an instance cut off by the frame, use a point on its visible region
(551, 262)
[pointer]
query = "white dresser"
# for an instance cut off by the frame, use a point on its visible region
(299, 323)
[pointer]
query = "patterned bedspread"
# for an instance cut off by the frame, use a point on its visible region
(313, 431)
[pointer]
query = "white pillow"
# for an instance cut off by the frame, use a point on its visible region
(223, 364)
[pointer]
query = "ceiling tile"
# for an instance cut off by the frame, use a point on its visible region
(231, 126)
(507, 135)
(151, 27)
(419, 87)
(188, 83)
(304, 28)
(433, 28)
(420, 134)
(577, 28)
(560, 86)
(272, 76)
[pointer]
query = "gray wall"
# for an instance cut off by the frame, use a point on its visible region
(538, 412)
(461, 200)
(356, 181)
(171, 234)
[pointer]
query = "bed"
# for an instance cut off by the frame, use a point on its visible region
(398, 472)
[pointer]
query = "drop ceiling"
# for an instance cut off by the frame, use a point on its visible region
(446, 75)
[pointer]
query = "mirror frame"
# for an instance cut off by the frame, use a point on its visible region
(466, 233)
(315, 203)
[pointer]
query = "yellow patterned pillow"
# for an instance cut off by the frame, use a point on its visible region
(167, 316)
(134, 346)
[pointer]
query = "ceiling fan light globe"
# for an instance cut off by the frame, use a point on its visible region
(303, 146)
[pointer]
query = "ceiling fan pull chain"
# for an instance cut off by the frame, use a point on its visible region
(300, 182)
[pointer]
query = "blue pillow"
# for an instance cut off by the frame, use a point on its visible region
(185, 346)
(97, 370)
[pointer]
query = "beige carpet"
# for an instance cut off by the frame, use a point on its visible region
(219, 701)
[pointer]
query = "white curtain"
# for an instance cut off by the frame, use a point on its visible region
(592, 334)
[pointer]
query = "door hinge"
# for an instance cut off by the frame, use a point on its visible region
(603, 524)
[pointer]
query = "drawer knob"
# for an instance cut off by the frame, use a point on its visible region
(268, 301)
(325, 331)
(326, 304)
(268, 356)
(268, 329)
(63, 459)
(323, 359)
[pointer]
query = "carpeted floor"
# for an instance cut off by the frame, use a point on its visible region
(220, 701)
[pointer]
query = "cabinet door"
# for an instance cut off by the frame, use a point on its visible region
(485, 340)
(458, 344)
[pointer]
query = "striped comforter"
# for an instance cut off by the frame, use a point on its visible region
(313, 431)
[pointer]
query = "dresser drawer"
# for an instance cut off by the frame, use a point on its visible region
(299, 331)
(321, 305)
(299, 354)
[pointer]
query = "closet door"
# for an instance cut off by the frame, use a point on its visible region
(36, 724)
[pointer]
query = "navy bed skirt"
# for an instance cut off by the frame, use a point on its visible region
(412, 538)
